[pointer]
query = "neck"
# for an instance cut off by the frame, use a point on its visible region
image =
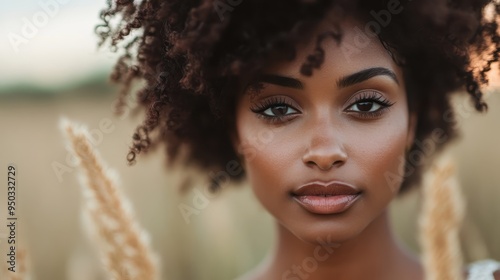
(373, 254)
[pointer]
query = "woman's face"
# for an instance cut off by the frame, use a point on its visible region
(344, 129)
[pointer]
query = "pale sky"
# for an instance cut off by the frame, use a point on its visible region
(62, 49)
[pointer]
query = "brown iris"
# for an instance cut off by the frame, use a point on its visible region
(365, 106)
(279, 110)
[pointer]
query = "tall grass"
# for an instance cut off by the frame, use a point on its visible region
(122, 243)
(440, 220)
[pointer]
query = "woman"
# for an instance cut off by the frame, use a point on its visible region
(330, 107)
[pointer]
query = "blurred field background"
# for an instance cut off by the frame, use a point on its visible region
(59, 72)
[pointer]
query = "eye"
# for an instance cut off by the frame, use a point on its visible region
(275, 109)
(369, 105)
(279, 110)
(365, 106)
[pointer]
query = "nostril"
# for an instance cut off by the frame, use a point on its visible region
(324, 162)
(325, 156)
(322, 165)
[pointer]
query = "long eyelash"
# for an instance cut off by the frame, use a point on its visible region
(372, 96)
(268, 103)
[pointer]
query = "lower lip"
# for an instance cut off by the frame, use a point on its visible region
(326, 204)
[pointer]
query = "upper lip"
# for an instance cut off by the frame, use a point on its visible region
(319, 188)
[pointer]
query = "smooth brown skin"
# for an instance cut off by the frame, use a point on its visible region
(320, 139)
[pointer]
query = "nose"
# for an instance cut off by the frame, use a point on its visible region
(325, 148)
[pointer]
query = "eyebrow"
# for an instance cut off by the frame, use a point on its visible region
(364, 75)
(280, 81)
(343, 82)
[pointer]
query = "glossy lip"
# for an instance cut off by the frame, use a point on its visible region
(326, 198)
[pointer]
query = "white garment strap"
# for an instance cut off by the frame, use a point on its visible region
(483, 270)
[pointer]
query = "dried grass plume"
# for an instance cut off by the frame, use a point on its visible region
(123, 244)
(440, 221)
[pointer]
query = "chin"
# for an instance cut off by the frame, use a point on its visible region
(333, 231)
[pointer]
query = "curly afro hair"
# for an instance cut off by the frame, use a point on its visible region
(194, 57)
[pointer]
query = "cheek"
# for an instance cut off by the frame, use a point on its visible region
(379, 155)
(268, 156)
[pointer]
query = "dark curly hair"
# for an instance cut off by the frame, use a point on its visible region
(195, 57)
